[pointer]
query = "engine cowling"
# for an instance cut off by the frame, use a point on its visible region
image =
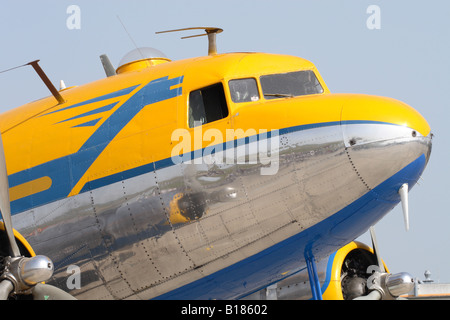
(346, 273)
(343, 275)
(24, 246)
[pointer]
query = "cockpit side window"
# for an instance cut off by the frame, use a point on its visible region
(207, 105)
(243, 90)
(290, 84)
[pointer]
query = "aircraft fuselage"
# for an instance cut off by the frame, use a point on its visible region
(189, 179)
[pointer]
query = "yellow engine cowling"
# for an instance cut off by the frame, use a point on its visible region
(24, 246)
(342, 276)
(346, 272)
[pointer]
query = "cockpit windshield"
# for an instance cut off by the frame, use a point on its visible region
(244, 90)
(292, 84)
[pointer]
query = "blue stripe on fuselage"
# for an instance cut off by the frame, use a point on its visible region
(111, 95)
(65, 172)
(92, 112)
(134, 172)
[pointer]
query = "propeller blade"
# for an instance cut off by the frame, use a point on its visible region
(4, 203)
(6, 287)
(403, 191)
(48, 292)
(27, 271)
(375, 249)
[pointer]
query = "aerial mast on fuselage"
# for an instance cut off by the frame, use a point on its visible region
(209, 31)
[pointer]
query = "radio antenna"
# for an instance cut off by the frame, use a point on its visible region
(209, 31)
(44, 78)
(131, 38)
(46, 81)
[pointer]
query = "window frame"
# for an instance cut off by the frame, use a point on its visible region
(224, 104)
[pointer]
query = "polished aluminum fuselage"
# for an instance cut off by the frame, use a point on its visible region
(127, 245)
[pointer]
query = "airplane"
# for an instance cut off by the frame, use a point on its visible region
(205, 178)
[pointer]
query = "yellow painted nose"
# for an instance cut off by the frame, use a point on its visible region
(381, 109)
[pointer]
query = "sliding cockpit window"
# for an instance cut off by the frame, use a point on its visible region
(292, 84)
(243, 90)
(207, 105)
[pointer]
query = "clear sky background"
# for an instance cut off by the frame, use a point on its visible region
(408, 58)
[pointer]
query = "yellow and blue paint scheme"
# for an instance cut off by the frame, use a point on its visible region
(103, 125)
(332, 286)
(331, 272)
(120, 127)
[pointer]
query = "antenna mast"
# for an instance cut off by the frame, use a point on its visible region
(209, 31)
(47, 81)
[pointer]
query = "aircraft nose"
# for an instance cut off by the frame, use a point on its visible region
(382, 136)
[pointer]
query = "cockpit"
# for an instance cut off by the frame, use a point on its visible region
(209, 104)
(275, 86)
(292, 84)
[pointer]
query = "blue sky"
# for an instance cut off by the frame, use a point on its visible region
(407, 59)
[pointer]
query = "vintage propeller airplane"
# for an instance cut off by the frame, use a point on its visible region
(205, 178)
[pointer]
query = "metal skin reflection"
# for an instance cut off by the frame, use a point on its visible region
(140, 226)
